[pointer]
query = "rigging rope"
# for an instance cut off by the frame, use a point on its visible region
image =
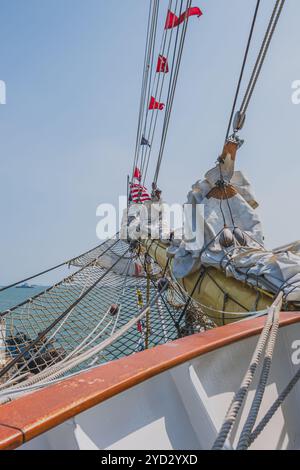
(156, 84)
(43, 334)
(147, 77)
(243, 68)
(258, 64)
(72, 320)
(267, 337)
(171, 94)
(146, 153)
(269, 415)
(144, 81)
(167, 51)
(70, 278)
(240, 116)
(262, 54)
(244, 441)
(56, 371)
(88, 340)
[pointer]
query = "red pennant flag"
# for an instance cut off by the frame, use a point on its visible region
(193, 11)
(173, 20)
(155, 104)
(137, 174)
(162, 65)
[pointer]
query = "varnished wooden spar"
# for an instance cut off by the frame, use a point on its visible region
(227, 158)
(230, 148)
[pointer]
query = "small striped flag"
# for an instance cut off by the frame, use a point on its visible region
(139, 193)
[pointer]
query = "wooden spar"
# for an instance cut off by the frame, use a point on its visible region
(226, 164)
(230, 148)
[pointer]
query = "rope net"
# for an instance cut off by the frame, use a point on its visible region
(109, 308)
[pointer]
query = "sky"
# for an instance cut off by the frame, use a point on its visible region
(73, 68)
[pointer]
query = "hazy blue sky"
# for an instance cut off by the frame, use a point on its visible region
(67, 132)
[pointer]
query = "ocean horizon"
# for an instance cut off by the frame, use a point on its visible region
(14, 296)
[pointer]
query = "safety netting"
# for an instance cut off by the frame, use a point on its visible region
(117, 303)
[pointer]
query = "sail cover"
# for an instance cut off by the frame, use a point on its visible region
(232, 238)
(246, 259)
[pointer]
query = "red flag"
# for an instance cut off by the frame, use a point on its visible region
(137, 174)
(173, 20)
(155, 104)
(193, 11)
(162, 64)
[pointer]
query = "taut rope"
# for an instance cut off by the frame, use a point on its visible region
(266, 340)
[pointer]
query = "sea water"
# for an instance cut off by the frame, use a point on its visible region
(14, 296)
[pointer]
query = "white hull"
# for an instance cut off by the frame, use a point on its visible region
(184, 406)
